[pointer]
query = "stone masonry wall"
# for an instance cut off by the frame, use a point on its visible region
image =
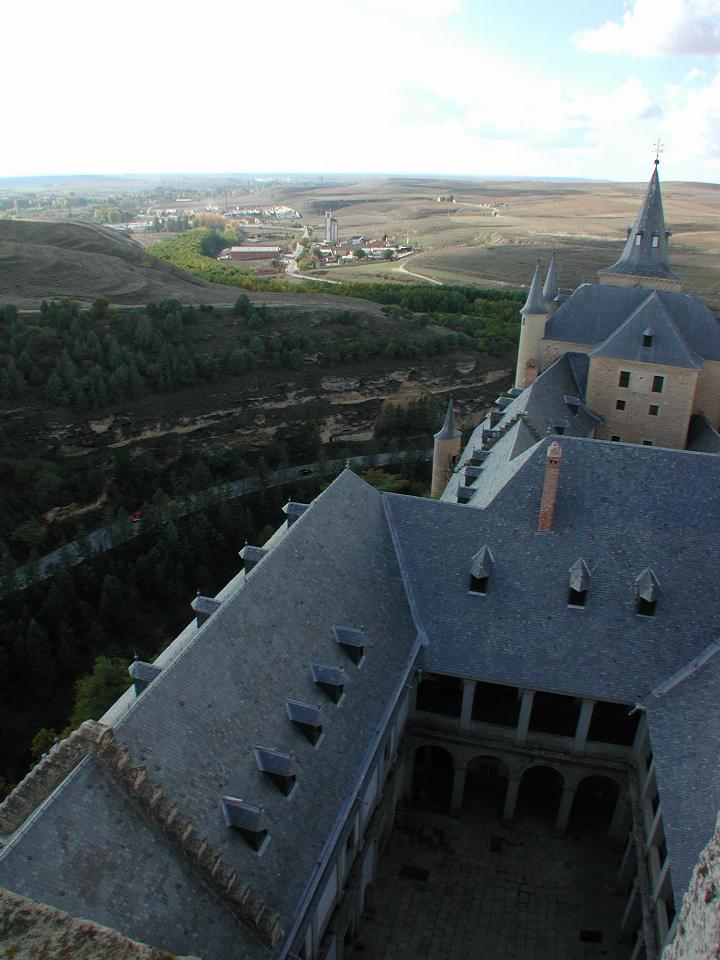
(634, 424)
(698, 927)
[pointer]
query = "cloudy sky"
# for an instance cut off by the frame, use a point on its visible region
(566, 88)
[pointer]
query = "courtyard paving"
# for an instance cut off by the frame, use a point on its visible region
(472, 889)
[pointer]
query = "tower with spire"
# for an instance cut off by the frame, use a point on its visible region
(446, 449)
(534, 316)
(644, 259)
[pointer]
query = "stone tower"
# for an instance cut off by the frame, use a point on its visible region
(445, 451)
(532, 329)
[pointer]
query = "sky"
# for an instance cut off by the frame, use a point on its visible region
(561, 88)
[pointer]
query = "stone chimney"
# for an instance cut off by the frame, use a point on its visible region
(550, 487)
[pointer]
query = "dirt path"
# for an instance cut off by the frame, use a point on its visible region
(403, 269)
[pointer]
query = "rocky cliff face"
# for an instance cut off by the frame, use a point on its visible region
(698, 928)
(29, 930)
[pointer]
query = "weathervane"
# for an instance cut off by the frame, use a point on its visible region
(659, 148)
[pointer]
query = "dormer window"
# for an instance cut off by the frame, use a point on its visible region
(655, 240)
(248, 820)
(480, 569)
(330, 679)
(278, 767)
(646, 593)
(638, 239)
(352, 641)
(647, 338)
(578, 583)
(306, 718)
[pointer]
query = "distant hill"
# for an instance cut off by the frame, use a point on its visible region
(43, 259)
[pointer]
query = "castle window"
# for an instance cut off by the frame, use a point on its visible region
(638, 239)
(619, 404)
(658, 384)
(478, 584)
(645, 608)
(647, 339)
(655, 240)
(577, 598)
(653, 410)
(647, 443)
(614, 438)
(624, 379)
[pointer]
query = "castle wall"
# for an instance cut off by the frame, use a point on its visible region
(634, 424)
(552, 349)
(530, 348)
(707, 393)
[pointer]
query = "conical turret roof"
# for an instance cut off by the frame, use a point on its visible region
(448, 431)
(645, 254)
(535, 302)
(550, 289)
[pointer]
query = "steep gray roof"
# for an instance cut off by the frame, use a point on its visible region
(535, 302)
(651, 320)
(702, 435)
(642, 259)
(684, 729)
(448, 431)
(594, 311)
(197, 724)
(550, 287)
(621, 508)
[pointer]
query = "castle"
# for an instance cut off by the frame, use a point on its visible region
(548, 625)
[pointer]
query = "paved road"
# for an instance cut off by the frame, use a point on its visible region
(104, 538)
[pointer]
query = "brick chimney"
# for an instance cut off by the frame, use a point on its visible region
(550, 487)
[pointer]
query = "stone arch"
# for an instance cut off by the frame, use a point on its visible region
(486, 782)
(433, 774)
(540, 793)
(594, 805)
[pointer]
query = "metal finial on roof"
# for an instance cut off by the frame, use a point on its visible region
(448, 430)
(550, 287)
(535, 302)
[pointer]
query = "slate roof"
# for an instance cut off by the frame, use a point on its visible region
(684, 729)
(196, 726)
(702, 435)
(595, 311)
(535, 302)
(643, 259)
(532, 414)
(652, 321)
(448, 431)
(550, 287)
(621, 508)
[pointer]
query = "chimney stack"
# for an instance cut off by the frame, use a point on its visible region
(550, 487)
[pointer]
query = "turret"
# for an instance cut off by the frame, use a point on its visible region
(550, 288)
(532, 330)
(644, 261)
(445, 451)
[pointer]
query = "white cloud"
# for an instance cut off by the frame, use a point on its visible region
(651, 28)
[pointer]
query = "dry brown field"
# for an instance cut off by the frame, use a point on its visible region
(464, 242)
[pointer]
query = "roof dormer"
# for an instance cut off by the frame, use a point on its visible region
(578, 583)
(480, 569)
(646, 593)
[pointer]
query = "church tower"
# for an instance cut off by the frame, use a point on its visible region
(644, 260)
(532, 329)
(446, 449)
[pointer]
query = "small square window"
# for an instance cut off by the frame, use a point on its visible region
(624, 380)
(619, 404)
(658, 384)
(653, 410)
(615, 439)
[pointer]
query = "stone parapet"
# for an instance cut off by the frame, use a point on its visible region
(48, 774)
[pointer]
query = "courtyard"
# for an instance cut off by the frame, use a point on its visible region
(470, 888)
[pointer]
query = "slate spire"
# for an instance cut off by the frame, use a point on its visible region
(645, 254)
(535, 303)
(550, 288)
(448, 430)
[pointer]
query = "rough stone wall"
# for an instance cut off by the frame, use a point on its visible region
(552, 349)
(698, 927)
(634, 424)
(30, 930)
